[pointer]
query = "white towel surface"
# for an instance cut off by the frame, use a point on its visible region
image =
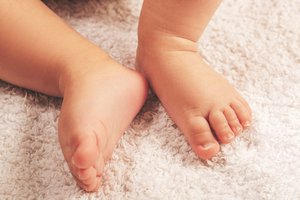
(255, 44)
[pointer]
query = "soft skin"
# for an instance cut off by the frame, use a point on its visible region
(206, 108)
(52, 58)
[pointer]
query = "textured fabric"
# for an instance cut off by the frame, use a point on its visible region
(253, 43)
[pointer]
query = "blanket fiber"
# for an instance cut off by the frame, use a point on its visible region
(253, 43)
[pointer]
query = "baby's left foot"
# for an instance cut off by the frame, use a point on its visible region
(100, 101)
(206, 108)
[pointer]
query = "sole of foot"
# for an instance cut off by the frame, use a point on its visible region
(99, 104)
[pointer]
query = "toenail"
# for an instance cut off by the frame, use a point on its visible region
(247, 124)
(229, 136)
(207, 146)
(238, 129)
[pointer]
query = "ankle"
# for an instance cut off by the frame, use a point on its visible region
(155, 44)
(158, 41)
(76, 68)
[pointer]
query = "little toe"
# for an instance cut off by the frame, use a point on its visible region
(86, 152)
(201, 138)
(221, 127)
(242, 113)
(232, 120)
(245, 103)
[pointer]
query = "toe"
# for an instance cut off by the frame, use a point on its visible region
(242, 113)
(90, 180)
(201, 138)
(221, 127)
(85, 174)
(86, 152)
(92, 186)
(245, 103)
(232, 120)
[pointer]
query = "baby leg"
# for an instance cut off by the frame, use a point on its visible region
(41, 52)
(197, 98)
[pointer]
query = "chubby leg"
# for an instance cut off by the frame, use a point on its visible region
(40, 52)
(203, 104)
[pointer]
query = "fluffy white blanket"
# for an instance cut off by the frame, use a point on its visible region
(253, 43)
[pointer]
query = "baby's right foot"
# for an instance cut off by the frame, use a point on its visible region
(100, 101)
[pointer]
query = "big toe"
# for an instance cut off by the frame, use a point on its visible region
(86, 152)
(201, 138)
(87, 163)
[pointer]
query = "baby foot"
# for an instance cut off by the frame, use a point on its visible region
(100, 102)
(206, 108)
